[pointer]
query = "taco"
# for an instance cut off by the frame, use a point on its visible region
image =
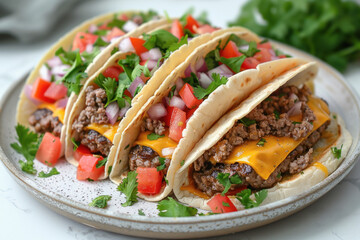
(114, 94)
(44, 104)
(277, 143)
(214, 78)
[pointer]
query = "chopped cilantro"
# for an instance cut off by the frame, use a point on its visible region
(302, 172)
(171, 208)
(200, 92)
(225, 204)
(210, 60)
(250, 52)
(129, 187)
(28, 144)
(141, 213)
(154, 136)
(162, 164)
(279, 175)
(101, 163)
(101, 32)
(336, 151)
(182, 163)
(233, 63)
(127, 146)
(115, 50)
(116, 22)
(166, 181)
(334, 116)
(226, 180)
(172, 90)
(192, 80)
(294, 122)
(100, 42)
(52, 172)
(247, 122)
(75, 143)
(277, 114)
(261, 142)
(247, 202)
(159, 38)
(206, 214)
(175, 46)
(89, 180)
(100, 201)
(109, 170)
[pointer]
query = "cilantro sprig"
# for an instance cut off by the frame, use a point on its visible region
(226, 181)
(247, 202)
(129, 187)
(218, 80)
(100, 201)
(52, 172)
(171, 208)
(154, 136)
(337, 151)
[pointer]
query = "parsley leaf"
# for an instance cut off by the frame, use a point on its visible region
(218, 80)
(171, 208)
(101, 163)
(261, 142)
(154, 136)
(247, 122)
(52, 172)
(129, 187)
(336, 151)
(100, 201)
(247, 202)
(163, 164)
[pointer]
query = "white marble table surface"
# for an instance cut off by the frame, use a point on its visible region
(334, 216)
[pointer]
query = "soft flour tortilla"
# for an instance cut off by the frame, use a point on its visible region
(287, 187)
(148, 90)
(218, 103)
(25, 107)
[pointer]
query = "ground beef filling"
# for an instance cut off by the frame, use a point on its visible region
(271, 118)
(43, 121)
(94, 112)
(151, 125)
(142, 156)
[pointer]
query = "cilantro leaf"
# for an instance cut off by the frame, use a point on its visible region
(247, 122)
(182, 163)
(247, 202)
(28, 142)
(250, 52)
(115, 22)
(141, 213)
(261, 142)
(163, 164)
(192, 80)
(100, 201)
(277, 114)
(27, 167)
(75, 143)
(159, 38)
(336, 152)
(226, 181)
(200, 92)
(67, 58)
(52, 172)
(100, 42)
(129, 187)
(175, 46)
(172, 91)
(115, 50)
(154, 136)
(101, 163)
(210, 60)
(171, 208)
(233, 63)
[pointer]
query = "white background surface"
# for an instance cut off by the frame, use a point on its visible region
(334, 216)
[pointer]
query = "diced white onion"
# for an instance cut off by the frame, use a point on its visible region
(177, 102)
(45, 73)
(167, 151)
(294, 97)
(89, 48)
(92, 28)
(126, 46)
(114, 39)
(151, 64)
(137, 81)
(222, 70)
(130, 26)
(28, 94)
(179, 84)
(112, 112)
(188, 71)
(295, 110)
(200, 65)
(157, 111)
(62, 103)
(55, 61)
(204, 80)
(60, 70)
(124, 109)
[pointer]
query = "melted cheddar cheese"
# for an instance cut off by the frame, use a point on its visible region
(321, 167)
(56, 112)
(265, 159)
(107, 130)
(157, 145)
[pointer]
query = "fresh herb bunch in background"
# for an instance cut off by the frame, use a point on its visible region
(328, 29)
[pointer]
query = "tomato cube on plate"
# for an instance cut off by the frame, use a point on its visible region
(49, 150)
(149, 180)
(39, 88)
(82, 150)
(87, 168)
(177, 124)
(221, 204)
(187, 95)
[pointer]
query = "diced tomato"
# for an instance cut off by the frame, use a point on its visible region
(82, 150)
(235, 191)
(115, 32)
(263, 56)
(149, 180)
(104, 26)
(143, 78)
(191, 24)
(266, 45)
(190, 113)
(124, 17)
(176, 29)
(56, 91)
(138, 45)
(205, 29)
(87, 168)
(127, 93)
(249, 63)
(177, 124)
(49, 150)
(187, 95)
(167, 118)
(221, 204)
(39, 88)
(113, 72)
(282, 56)
(82, 39)
(230, 50)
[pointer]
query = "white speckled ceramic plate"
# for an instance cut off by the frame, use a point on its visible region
(69, 197)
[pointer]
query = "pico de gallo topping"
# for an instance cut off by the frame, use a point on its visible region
(110, 96)
(168, 118)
